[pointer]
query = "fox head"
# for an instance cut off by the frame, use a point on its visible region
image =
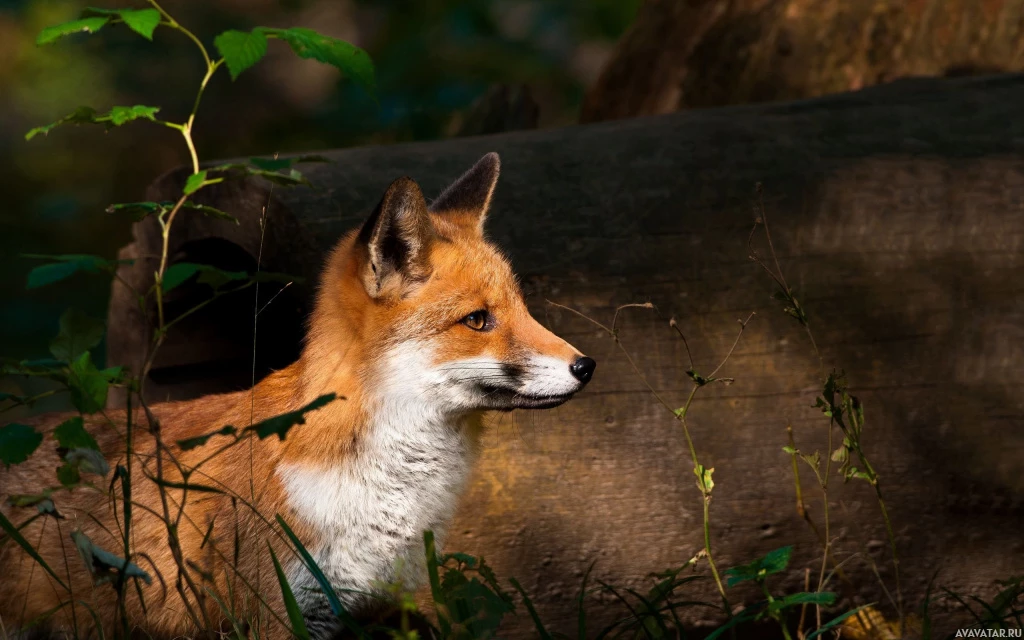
(423, 309)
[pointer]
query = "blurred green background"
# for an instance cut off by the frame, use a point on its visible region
(434, 58)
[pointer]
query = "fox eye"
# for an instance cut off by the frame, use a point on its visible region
(477, 321)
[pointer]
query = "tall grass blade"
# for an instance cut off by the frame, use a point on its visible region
(13, 533)
(541, 631)
(332, 597)
(290, 605)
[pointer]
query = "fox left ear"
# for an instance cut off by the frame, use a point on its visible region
(397, 238)
(466, 201)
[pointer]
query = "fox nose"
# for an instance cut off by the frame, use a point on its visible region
(583, 369)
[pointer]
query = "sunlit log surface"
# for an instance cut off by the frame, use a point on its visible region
(898, 216)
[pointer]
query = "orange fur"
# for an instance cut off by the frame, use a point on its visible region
(364, 311)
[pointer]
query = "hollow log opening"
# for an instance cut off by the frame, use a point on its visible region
(213, 349)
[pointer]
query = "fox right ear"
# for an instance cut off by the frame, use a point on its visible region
(466, 201)
(397, 238)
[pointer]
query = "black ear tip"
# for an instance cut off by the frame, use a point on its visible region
(491, 161)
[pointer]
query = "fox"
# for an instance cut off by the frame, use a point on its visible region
(419, 328)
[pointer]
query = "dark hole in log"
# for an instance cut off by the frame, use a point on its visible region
(212, 350)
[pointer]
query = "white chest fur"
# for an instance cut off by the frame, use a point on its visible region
(371, 509)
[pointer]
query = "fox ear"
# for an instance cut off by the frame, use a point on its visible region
(397, 238)
(466, 201)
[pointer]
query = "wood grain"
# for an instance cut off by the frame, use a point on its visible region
(898, 216)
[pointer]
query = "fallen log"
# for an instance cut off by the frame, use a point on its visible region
(897, 214)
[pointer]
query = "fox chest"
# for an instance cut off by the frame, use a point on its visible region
(369, 513)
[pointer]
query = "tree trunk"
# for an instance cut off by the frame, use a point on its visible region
(683, 54)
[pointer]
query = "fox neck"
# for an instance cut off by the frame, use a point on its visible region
(366, 513)
(372, 470)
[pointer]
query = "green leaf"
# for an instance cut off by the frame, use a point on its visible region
(281, 424)
(140, 210)
(103, 565)
(292, 178)
(78, 334)
(240, 50)
(88, 385)
(194, 182)
(198, 441)
(71, 434)
(347, 58)
(64, 266)
(81, 115)
(13, 533)
(120, 115)
(704, 481)
(87, 25)
(290, 605)
(178, 273)
(212, 212)
(141, 21)
(18, 442)
(756, 571)
(116, 117)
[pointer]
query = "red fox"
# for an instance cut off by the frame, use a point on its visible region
(419, 328)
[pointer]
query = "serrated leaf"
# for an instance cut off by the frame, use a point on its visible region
(103, 565)
(120, 115)
(347, 58)
(281, 424)
(142, 21)
(64, 267)
(71, 434)
(78, 333)
(88, 385)
(81, 115)
(212, 212)
(240, 50)
(116, 117)
(198, 441)
(772, 562)
(138, 210)
(178, 273)
(18, 442)
(194, 182)
(86, 25)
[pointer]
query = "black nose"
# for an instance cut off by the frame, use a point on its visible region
(583, 369)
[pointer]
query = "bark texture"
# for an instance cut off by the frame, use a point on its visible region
(682, 54)
(898, 216)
